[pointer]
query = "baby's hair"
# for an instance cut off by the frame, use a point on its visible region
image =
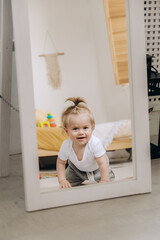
(79, 105)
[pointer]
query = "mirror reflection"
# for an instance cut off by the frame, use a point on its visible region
(73, 56)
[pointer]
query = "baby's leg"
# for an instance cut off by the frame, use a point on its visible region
(111, 173)
(97, 175)
(74, 175)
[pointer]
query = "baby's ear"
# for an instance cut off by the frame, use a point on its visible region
(93, 127)
(66, 130)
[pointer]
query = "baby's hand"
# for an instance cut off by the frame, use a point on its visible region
(65, 184)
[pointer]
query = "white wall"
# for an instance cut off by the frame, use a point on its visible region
(78, 29)
(116, 98)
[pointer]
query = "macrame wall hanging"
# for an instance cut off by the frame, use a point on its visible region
(53, 68)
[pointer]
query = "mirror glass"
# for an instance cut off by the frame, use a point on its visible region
(71, 57)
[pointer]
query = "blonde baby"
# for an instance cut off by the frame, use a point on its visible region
(83, 151)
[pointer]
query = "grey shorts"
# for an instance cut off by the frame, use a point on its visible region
(76, 177)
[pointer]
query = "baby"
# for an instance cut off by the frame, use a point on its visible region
(83, 151)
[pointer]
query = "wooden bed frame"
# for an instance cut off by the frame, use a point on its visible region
(117, 144)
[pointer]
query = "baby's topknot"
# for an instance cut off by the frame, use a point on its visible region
(79, 105)
(76, 100)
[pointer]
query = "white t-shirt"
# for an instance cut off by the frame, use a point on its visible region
(93, 150)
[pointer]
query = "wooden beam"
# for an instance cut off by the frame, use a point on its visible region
(115, 14)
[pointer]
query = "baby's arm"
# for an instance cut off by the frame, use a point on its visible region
(61, 174)
(103, 168)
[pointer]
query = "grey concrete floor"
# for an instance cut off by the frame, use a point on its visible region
(128, 218)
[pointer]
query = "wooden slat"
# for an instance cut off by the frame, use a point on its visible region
(116, 8)
(116, 25)
(43, 153)
(121, 143)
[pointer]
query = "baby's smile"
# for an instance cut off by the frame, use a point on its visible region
(82, 137)
(80, 128)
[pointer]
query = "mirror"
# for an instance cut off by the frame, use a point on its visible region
(84, 60)
(76, 30)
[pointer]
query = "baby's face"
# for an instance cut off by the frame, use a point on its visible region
(79, 128)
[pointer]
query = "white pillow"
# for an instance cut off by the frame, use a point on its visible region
(106, 132)
(125, 130)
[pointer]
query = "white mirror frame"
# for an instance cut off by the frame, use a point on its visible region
(141, 183)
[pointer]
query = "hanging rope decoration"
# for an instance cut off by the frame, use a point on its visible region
(53, 68)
